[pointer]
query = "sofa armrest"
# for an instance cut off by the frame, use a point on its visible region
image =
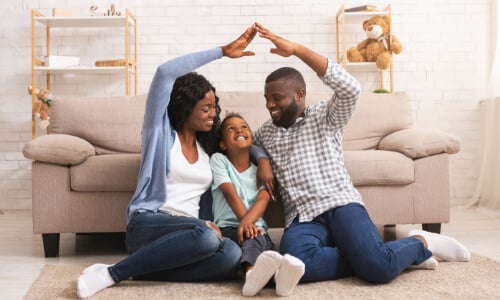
(418, 142)
(59, 149)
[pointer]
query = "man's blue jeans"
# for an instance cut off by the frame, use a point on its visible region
(343, 242)
(175, 248)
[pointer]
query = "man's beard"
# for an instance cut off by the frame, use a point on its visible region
(287, 116)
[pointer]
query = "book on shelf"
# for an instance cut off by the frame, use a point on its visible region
(361, 8)
(111, 63)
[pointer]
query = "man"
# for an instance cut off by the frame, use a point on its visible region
(327, 225)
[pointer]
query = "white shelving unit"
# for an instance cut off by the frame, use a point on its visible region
(127, 21)
(358, 18)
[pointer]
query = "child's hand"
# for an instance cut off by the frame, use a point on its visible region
(248, 231)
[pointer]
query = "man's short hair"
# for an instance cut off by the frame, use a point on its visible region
(289, 74)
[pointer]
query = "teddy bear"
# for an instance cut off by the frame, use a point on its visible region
(41, 106)
(379, 44)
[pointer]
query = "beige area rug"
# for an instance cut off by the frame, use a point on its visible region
(478, 279)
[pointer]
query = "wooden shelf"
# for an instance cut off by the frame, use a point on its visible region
(127, 22)
(344, 18)
(98, 21)
(360, 17)
(84, 69)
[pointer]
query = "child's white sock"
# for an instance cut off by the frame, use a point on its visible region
(443, 246)
(289, 274)
(429, 264)
(95, 267)
(266, 265)
(93, 281)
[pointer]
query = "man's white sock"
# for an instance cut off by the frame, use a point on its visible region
(266, 265)
(429, 264)
(443, 246)
(289, 274)
(95, 267)
(93, 281)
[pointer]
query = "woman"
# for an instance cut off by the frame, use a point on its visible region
(166, 238)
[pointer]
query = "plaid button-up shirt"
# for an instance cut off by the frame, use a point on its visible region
(307, 157)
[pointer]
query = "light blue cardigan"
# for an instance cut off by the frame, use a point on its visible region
(157, 133)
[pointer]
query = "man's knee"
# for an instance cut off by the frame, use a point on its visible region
(378, 271)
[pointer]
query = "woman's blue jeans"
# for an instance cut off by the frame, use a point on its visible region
(174, 248)
(344, 242)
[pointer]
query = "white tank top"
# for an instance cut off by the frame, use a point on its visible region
(186, 182)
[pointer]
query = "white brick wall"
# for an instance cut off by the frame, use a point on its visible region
(444, 64)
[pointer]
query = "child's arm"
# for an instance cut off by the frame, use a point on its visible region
(247, 226)
(258, 208)
(233, 200)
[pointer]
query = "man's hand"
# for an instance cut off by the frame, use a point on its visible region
(283, 47)
(236, 48)
(286, 48)
(265, 176)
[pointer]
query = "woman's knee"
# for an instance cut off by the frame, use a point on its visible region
(229, 259)
(206, 239)
(231, 250)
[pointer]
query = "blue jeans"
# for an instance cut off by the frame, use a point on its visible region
(344, 242)
(174, 248)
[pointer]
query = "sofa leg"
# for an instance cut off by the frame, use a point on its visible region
(432, 227)
(51, 244)
(389, 232)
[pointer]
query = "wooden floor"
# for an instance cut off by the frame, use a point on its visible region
(21, 251)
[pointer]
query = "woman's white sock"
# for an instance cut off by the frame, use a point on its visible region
(429, 264)
(266, 265)
(93, 281)
(289, 274)
(443, 246)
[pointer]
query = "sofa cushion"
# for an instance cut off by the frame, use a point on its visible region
(376, 116)
(106, 173)
(111, 124)
(378, 167)
(60, 149)
(420, 142)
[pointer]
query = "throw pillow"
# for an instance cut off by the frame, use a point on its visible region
(60, 149)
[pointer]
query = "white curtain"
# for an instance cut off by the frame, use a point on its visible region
(487, 193)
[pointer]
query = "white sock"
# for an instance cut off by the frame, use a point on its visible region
(429, 264)
(289, 274)
(266, 265)
(93, 281)
(443, 246)
(95, 267)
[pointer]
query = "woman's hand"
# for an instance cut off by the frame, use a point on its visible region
(236, 48)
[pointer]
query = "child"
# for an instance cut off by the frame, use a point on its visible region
(238, 207)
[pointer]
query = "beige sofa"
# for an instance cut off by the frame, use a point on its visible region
(84, 173)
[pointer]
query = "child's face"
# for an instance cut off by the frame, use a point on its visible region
(235, 134)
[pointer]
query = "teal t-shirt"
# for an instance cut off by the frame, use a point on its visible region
(244, 183)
